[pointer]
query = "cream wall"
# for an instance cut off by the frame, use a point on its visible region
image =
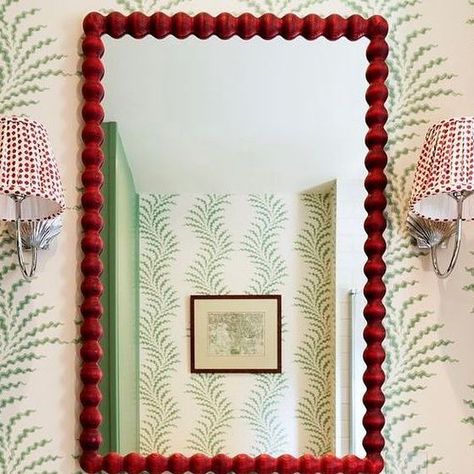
(432, 78)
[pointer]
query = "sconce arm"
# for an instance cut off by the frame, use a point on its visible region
(19, 243)
(459, 196)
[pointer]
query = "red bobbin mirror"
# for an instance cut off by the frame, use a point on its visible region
(206, 204)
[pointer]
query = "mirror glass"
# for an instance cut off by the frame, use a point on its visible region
(233, 168)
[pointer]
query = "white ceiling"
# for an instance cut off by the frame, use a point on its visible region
(237, 116)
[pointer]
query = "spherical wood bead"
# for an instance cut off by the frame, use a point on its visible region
(91, 265)
(373, 441)
(92, 155)
(92, 222)
(291, 26)
(376, 158)
(226, 25)
(374, 356)
(376, 136)
(374, 399)
(247, 26)
(91, 373)
(265, 464)
(309, 464)
(160, 25)
(243, 464)
(287, 464)
(335, 27)
(90, 417)
(113, 463)
(92, 177)
(199, 464)
(93, 46)
(331, 465)
(375, 222)
(374, 312)
(90, 395)
(91, 242)
(91, 462)
(221, 464)
(138, 25)
(90, 439)
(93, 24)
(92, 68)
(313, 27)
(92, 111)
(375, 245)
(156, 463)
(377, 26)
(376, 200)
(91, 286)
(375, 183)
(178, 464)
(377, 73)
(92, 134)
(375, 267)
(181, 25)
(116, 24)
(374, 465)
(91, 327)
(91, 351)
(134, 463)
(204, 25)
(269, 26)
(92, 199)
(376, 114)
(352, 465)
(374, 289)
(356, 27)
(377, 50)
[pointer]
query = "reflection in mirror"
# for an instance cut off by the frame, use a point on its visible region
(233, 167)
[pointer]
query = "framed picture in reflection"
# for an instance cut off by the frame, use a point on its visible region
(236, 333)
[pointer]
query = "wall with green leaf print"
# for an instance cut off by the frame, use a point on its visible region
(429, 323)
(222, 244)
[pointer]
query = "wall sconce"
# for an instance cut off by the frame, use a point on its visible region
(442, 192)
(31, 194)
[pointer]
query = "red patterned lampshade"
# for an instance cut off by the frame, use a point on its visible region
(28, 168)
(446, 165)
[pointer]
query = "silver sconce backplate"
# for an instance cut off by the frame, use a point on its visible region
(429, 233)
(37, 234)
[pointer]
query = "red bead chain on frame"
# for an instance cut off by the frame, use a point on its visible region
(226, 26)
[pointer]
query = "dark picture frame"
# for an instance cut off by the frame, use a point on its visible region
(217, 342)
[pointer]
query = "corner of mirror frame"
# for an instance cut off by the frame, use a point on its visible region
(225, 26)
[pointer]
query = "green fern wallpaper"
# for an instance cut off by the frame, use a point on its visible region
(221, 244)
(429, 323)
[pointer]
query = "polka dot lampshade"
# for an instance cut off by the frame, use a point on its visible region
(446, 165)
(28, 168)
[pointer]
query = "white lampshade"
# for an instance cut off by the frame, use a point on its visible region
(446, 164)
(28, 168)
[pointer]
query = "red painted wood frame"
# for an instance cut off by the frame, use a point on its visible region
(226, 26)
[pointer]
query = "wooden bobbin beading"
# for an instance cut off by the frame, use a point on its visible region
(226, 26)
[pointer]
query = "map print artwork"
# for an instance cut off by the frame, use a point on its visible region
(233, 333)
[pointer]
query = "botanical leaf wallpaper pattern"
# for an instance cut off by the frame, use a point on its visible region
(420, 83)
(315, 301)
(207, 221)
(23, 332)
(262, 407)
(159, 411)
(26, 58)
(211, 226)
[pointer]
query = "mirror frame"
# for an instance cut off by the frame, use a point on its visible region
(226, 26)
